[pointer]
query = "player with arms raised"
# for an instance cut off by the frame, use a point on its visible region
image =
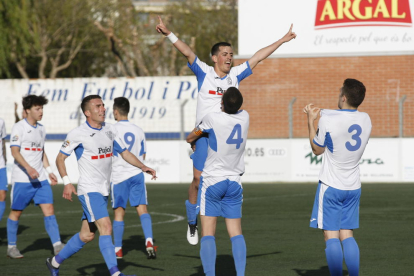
(94, 142)
(212, 83)
(221, 192)
(341, 137)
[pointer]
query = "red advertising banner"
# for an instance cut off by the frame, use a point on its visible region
(351, 13)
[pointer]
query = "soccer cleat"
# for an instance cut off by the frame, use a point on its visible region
(58, 248)
(119, 254)
(192, 234)
(53, 270)
(14, 253)
(151, 251)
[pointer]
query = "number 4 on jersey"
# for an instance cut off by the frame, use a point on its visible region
(235, 136)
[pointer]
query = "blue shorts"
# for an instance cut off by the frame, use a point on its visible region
(200, 154)
(132, 188)
(95, 206)
(220, 196)
(23, 193)
(335, 209)
(3, 179)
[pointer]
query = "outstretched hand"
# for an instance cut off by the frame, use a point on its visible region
(311, 111)
(161, 28)
(290, 35)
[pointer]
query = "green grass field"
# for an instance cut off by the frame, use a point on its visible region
(275, 225)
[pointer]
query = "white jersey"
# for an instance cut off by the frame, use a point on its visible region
(134, 139)
(94, 149)
(345, 134)
(211, 87)
(227, 135)
(2, 136)
(31, 141)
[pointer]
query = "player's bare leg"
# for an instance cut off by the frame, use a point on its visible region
(191, 206)
(51, 226)
(146, 224)
(238, 244)
(208, 244)
(12, 226)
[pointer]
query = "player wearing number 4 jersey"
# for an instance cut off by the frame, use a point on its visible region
(221, 192)
(128, 181)
(212, 83)
(94, 142)
(341, 137)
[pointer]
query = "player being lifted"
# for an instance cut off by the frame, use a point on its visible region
(212, 83)
(341, 137)
(29, 176)
(94, 142)
(221, 192)
(128, 181)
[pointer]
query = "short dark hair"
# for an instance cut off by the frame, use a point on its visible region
(122, 105)
(33, 100)
(232, 100)
(354, 91)
(87, 99)
(216, 47)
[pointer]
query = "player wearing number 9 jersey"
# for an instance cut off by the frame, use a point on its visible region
(128, 181)
(220, 192)
(341, 137)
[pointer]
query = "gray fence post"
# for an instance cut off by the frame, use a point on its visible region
(292, 101)
(401, 114)
(182, 132)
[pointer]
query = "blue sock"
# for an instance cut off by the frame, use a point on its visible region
(208, 255)
(239, 254)
(74, 245)
(108, 251)
(191, 212)
(118, 227)
(12, 226)
(2, 208)
(52, 228)
(334, 256)
(351, 255)
(146, 225)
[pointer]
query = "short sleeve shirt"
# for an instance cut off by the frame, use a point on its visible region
(94, 149)
(31, 140)
(211, 87)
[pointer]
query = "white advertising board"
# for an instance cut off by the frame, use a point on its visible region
(328, 27)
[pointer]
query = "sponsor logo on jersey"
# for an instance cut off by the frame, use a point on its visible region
(218, 92)
(92, 134)
(15, 138)
(351, 13)
(105, 150)
(36, 145)
(65, 144)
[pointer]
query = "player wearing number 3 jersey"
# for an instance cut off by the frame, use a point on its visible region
(221, 192)
(341, 137)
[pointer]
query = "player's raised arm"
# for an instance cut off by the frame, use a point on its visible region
(312, 113)
(133, 160)
(61, 166)
(267, 51)
(179, 44)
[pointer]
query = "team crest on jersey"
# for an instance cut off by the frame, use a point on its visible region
(229, 81)
(15, 138)
(65, 144)
(110, 135)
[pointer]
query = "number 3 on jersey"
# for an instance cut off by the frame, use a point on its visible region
(355, 137)
(129, 139)
(235, 136)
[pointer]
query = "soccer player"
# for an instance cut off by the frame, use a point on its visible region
(128, 181)
(221, 192)
(212, 83)
(3, 170)
(29, 176)
(341, 137)
(94, 143)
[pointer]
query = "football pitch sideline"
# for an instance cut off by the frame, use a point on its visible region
(275, 225)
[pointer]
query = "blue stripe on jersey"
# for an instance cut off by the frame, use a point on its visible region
(117, 148)
(31, 125)
(317, 144)
(247, 72)
(65, 153)
(200, 74)
(79, 151)
(349, 110)
(14, 146)
(142, 151)
(93, 127)
(328, 142)
(212, 140)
